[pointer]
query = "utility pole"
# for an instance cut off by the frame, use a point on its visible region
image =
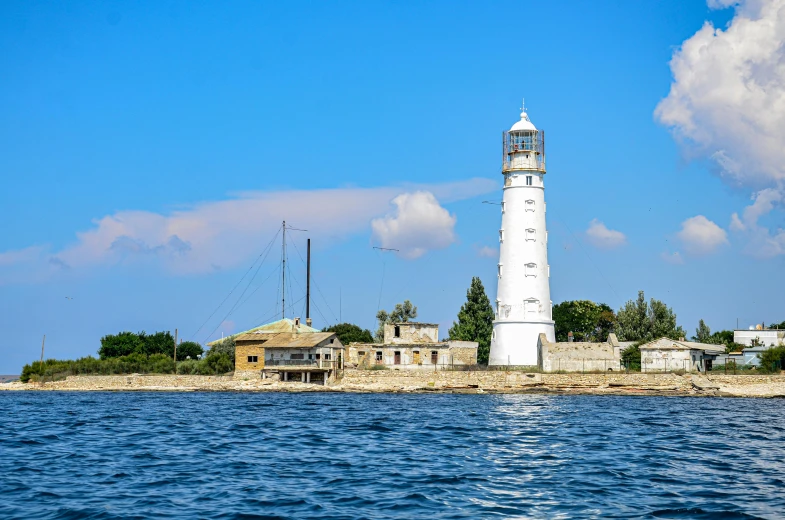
(175, 351)
(42, 359)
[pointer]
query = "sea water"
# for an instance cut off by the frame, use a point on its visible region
(324, 455)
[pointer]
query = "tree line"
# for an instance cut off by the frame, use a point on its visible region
(140, 352)
(638, 320)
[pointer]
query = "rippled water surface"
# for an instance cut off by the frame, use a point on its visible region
(231, 455)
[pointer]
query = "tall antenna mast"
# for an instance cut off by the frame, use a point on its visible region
(283, 273)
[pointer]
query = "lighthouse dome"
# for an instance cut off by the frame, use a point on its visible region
(524, 123)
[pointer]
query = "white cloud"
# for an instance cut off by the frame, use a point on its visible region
(727, 99)
(225, 233)
(727, 104)
(674, 258)
(701, 236)
(417, 225)
(602, 237)
(20, 256)
(761, 242)
(487, 252)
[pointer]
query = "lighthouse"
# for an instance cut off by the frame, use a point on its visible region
(523, 298)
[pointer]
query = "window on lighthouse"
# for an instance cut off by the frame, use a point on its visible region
(530, 205)
(528, 180)
(531, 269)
(531, 235)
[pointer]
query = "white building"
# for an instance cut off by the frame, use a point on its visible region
(761, 337)
(523, 298)
(667, 355)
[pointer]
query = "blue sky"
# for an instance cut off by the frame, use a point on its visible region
(149, 151)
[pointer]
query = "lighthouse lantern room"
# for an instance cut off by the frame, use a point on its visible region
(523, 298)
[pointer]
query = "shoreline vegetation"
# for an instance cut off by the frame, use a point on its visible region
(445, 382)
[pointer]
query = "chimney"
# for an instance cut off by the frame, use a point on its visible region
(296, 322)
(308, 321)
(570, 337)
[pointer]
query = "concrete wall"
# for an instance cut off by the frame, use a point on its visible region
(413, 357)
(767, 337)
(577, 357)
(411, 333)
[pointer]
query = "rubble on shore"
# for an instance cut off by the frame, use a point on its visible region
(464, 382)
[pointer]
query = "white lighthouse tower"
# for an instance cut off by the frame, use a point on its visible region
(523, 299)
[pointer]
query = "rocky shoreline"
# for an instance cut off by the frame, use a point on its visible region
(476, 382)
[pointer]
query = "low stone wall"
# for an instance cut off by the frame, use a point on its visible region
(120, 382)
(502, 379)
(441, 381)
(746, 379)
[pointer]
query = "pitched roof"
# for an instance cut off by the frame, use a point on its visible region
(283, 325)
(672, 344)
(292, 339)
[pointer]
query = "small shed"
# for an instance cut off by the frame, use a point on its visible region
(667, 355)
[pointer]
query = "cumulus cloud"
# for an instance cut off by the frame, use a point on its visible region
(600, 236)
(417, 225)
(226, 233)
(701, 236)
(761, 242)
(727, 99)
(727, 104)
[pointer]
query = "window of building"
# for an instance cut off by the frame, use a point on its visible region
(416, 357)
(297, 356)
(434, 357)
(379, 356)
(253, 359)
(530, 205)
(500, 270)
(528, 180)
(501, 235)
(397, 357)
(503, 204)
(531, 234)
(361, 353)
(327, 357)
(318, 356)
(531, 269)
(397, 332)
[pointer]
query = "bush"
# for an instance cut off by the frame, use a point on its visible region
(217, 364)
(187, 367)
(771, 360)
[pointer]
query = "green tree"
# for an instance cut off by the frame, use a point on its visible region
(631, 357)
(475, 320)
(225, 346)
(157, 343)
(350, 333)
(189, 349)
(725, 337)
(122, 344)
(588, 321)
(702, 333)
(772, 359)
(641, 321)
(402, 313)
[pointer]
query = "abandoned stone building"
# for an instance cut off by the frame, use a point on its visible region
(412, 346)
(410, 333)
(308, 357)
(668, 355)
(579, 356)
